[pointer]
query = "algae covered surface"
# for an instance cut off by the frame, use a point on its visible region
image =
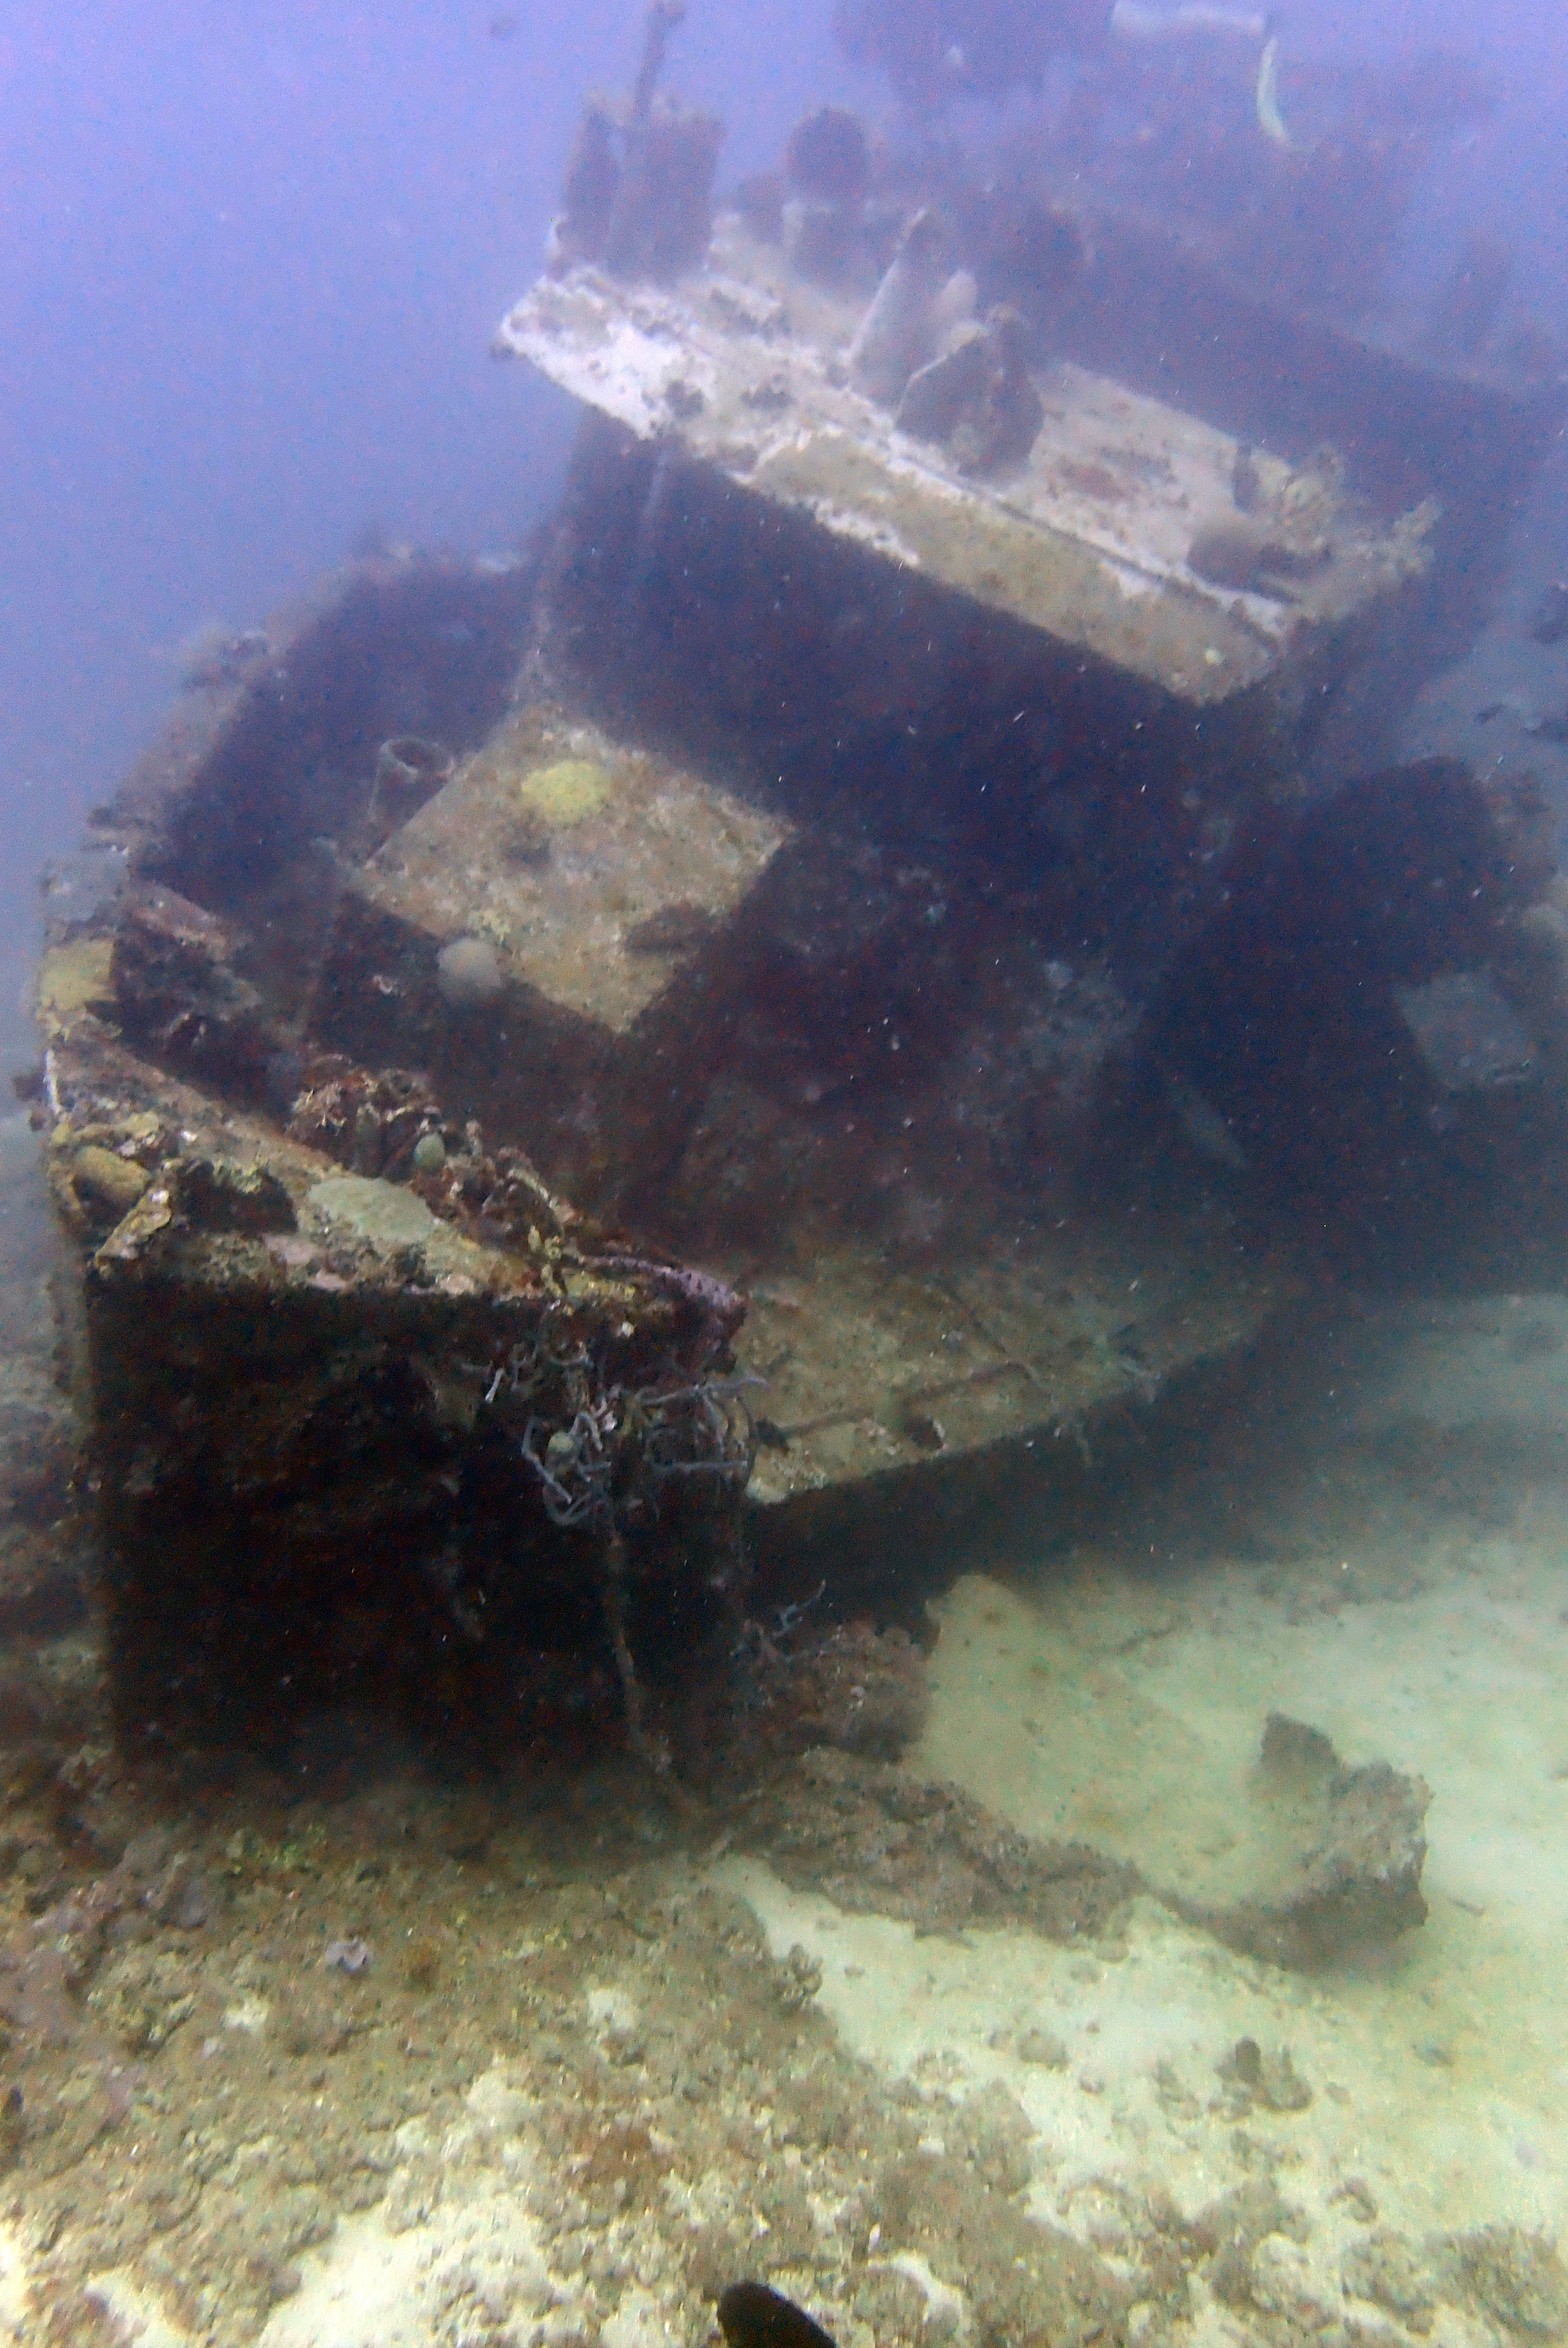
(567, 791)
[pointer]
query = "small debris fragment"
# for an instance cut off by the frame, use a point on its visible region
(800, 1978)
(1257, 2078)
(349, 1956)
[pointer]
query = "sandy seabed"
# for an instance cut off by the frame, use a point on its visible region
(406, 2063)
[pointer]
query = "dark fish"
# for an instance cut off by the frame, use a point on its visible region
(503, 25)
(751, 2315)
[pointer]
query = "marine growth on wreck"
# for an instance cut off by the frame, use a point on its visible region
(810, 1285)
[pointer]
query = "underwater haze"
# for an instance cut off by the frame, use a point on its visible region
(784, 1239)
(251, 262)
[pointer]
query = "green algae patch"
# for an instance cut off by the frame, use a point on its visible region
(382, 1211)
(74, 977)
(390, 1218)
(568, 792)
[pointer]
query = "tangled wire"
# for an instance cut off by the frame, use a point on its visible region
(618, 1448)
(604, 1455)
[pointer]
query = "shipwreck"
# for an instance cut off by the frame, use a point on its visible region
(590, 1092)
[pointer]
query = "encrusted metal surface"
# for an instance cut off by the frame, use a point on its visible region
(1089, 539)
(576, 859)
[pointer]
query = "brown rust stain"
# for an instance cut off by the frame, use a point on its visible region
(1093, 480)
